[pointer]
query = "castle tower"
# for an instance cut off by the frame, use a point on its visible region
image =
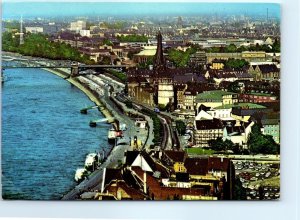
(21, 32)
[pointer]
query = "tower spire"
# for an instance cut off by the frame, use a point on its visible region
(159, 61)
(21, 31)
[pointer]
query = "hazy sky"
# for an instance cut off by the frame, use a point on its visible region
(56, 9)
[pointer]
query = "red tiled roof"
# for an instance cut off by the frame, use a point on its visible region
(196, 166)
(158, 192)
(132, 193)
(217, 163)
(176, 156)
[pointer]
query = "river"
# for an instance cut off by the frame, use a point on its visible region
(44, 136)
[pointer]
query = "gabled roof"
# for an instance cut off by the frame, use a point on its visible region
(130, 157)
(196, 166)
(115, 186)
(176, 156)
(203, 115)
(158, 192)
(268, 68)
(217, 163)
(112, 174)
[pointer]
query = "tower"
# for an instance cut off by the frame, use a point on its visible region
(179, 22)
(21, 32)
(159, 61)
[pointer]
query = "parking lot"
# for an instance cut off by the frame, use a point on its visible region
(261, 179)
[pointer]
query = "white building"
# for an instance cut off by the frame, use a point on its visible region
(77, 26)
(34, 30)
(85, 33)
(165, 91)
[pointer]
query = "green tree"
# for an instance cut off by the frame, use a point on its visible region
(239, 192)
(107, 42)
(230, 49)
(236, 63)
(180, 125)
(38, 45)
(105, 60)
(181, 58)
(133, 38)
(227, 145)
(259, 143)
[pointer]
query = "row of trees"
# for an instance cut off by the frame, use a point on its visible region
(157, 128)
(38, 45)
(227, 145)
(133, 38)
(236, 64)
(120, 75)
(258, 143)
(275, 48)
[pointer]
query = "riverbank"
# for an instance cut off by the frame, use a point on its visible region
(107, 114)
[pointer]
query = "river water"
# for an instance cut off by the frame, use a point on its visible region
(44, 136)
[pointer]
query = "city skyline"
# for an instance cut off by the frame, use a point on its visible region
(183, 104)
(14, 10)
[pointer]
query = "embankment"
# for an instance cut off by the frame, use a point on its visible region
(93, 97)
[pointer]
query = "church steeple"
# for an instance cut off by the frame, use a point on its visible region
(159, 61)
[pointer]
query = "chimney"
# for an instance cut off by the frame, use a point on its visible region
(145, 182)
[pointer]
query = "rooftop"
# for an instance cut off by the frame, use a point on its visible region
(260, 94)
(215, 95)
(241, 105)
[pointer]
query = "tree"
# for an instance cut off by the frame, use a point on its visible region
(230, 49)
(133, 38)
(128, 104)
(239, 192)
(105, 60)
(181, 58)
(234, 87)
(180, 125)
(38, 45)
(107, 42)
(227, 145)
(259, 143)
(236, 63)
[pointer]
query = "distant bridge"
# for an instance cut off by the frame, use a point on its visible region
(76, 69)
(64, 66)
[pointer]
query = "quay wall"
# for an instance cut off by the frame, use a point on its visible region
(84, 89)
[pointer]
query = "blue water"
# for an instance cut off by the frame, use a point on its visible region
(44, 136)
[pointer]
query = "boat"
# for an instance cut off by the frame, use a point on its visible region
(83, 111)
(112, 134)
(93, 124)
(80, 174)
(91, 161)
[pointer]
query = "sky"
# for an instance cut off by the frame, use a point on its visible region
(14, 10)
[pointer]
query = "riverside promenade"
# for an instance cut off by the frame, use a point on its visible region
(101, 96)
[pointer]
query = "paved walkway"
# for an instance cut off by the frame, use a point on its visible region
(93, 182)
